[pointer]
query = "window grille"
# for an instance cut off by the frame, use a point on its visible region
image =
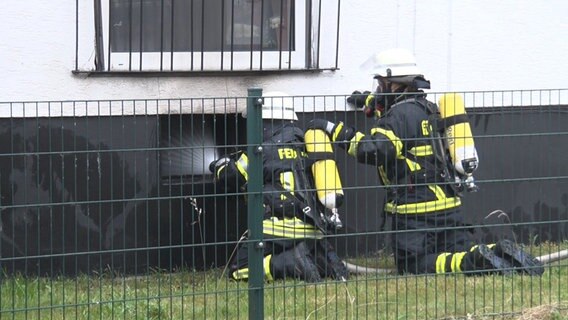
(210, 35)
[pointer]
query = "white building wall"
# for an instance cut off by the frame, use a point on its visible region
(467, 45)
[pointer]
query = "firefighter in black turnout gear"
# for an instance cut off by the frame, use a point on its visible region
(425, 165)
(301, 193)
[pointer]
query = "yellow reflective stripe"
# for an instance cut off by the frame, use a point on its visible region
(421, 151)
(440, 195)
(242, 165)
(441, 262)
(383, 175)
(241, 274)
(423, 207)
(491, 246)
(391, 136)
(290, 228)
(441, 203)
(287, 180)
(457, 259)
(472, 249)
(266, 264)
(413, 166)
(337, 131)
(354, 143)
(369, 99)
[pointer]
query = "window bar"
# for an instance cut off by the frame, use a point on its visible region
(232, 32)
(308, 33)
(291, 31)
(191, 34)
(172, 38)
(99, 54)
(76, 35)
(202, 32)
(251, 32)
(319, 36)
(141, 33)
(337, 35)
(109, 32)
(162, 13)
(261, 30)
(280, 29)
(130, 14)
(222, 33)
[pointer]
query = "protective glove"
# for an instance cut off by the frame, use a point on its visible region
(357, 98)
(322, 124)
(336, 132)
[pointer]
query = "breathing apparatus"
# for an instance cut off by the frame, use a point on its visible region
(454, 129)
(326, 176)
(279, 127)
(452, 138)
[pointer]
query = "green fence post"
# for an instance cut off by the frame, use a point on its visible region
(254, 207)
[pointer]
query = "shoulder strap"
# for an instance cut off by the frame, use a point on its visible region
(438, 122)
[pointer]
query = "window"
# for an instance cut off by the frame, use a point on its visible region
(187, 146)
(212, 35)
(188, 143)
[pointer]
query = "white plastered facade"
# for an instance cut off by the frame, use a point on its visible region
(460, 45)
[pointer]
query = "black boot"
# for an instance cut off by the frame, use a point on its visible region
(483, 260)
(519, 259)
(296, 262)
(328, 262)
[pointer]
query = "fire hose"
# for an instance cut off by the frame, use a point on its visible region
(357, 269)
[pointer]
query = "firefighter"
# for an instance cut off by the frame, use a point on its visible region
(424, 187)
(301, 194)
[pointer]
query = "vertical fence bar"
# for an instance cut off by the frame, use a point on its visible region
(254, 208)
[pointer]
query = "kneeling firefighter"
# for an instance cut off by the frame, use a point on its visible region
(301, 193)
(425, 156)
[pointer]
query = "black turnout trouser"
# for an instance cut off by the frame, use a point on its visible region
(418, 239)
(272, 247)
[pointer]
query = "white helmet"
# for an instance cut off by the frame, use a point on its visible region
(392, 63)
(278, 106)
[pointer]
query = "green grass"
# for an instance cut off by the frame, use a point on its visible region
(208, 295)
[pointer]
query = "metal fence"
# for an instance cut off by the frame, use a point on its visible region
(109, 209)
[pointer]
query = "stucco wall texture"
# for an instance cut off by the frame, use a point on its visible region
(460, 45)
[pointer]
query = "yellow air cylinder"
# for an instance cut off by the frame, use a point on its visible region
(326, 176)
(458, 137)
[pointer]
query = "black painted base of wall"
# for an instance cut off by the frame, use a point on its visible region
(82, 195)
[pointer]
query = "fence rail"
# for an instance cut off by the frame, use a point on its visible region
(118, 215)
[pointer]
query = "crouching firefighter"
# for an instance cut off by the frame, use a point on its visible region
(425, 157)
(301, 193)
